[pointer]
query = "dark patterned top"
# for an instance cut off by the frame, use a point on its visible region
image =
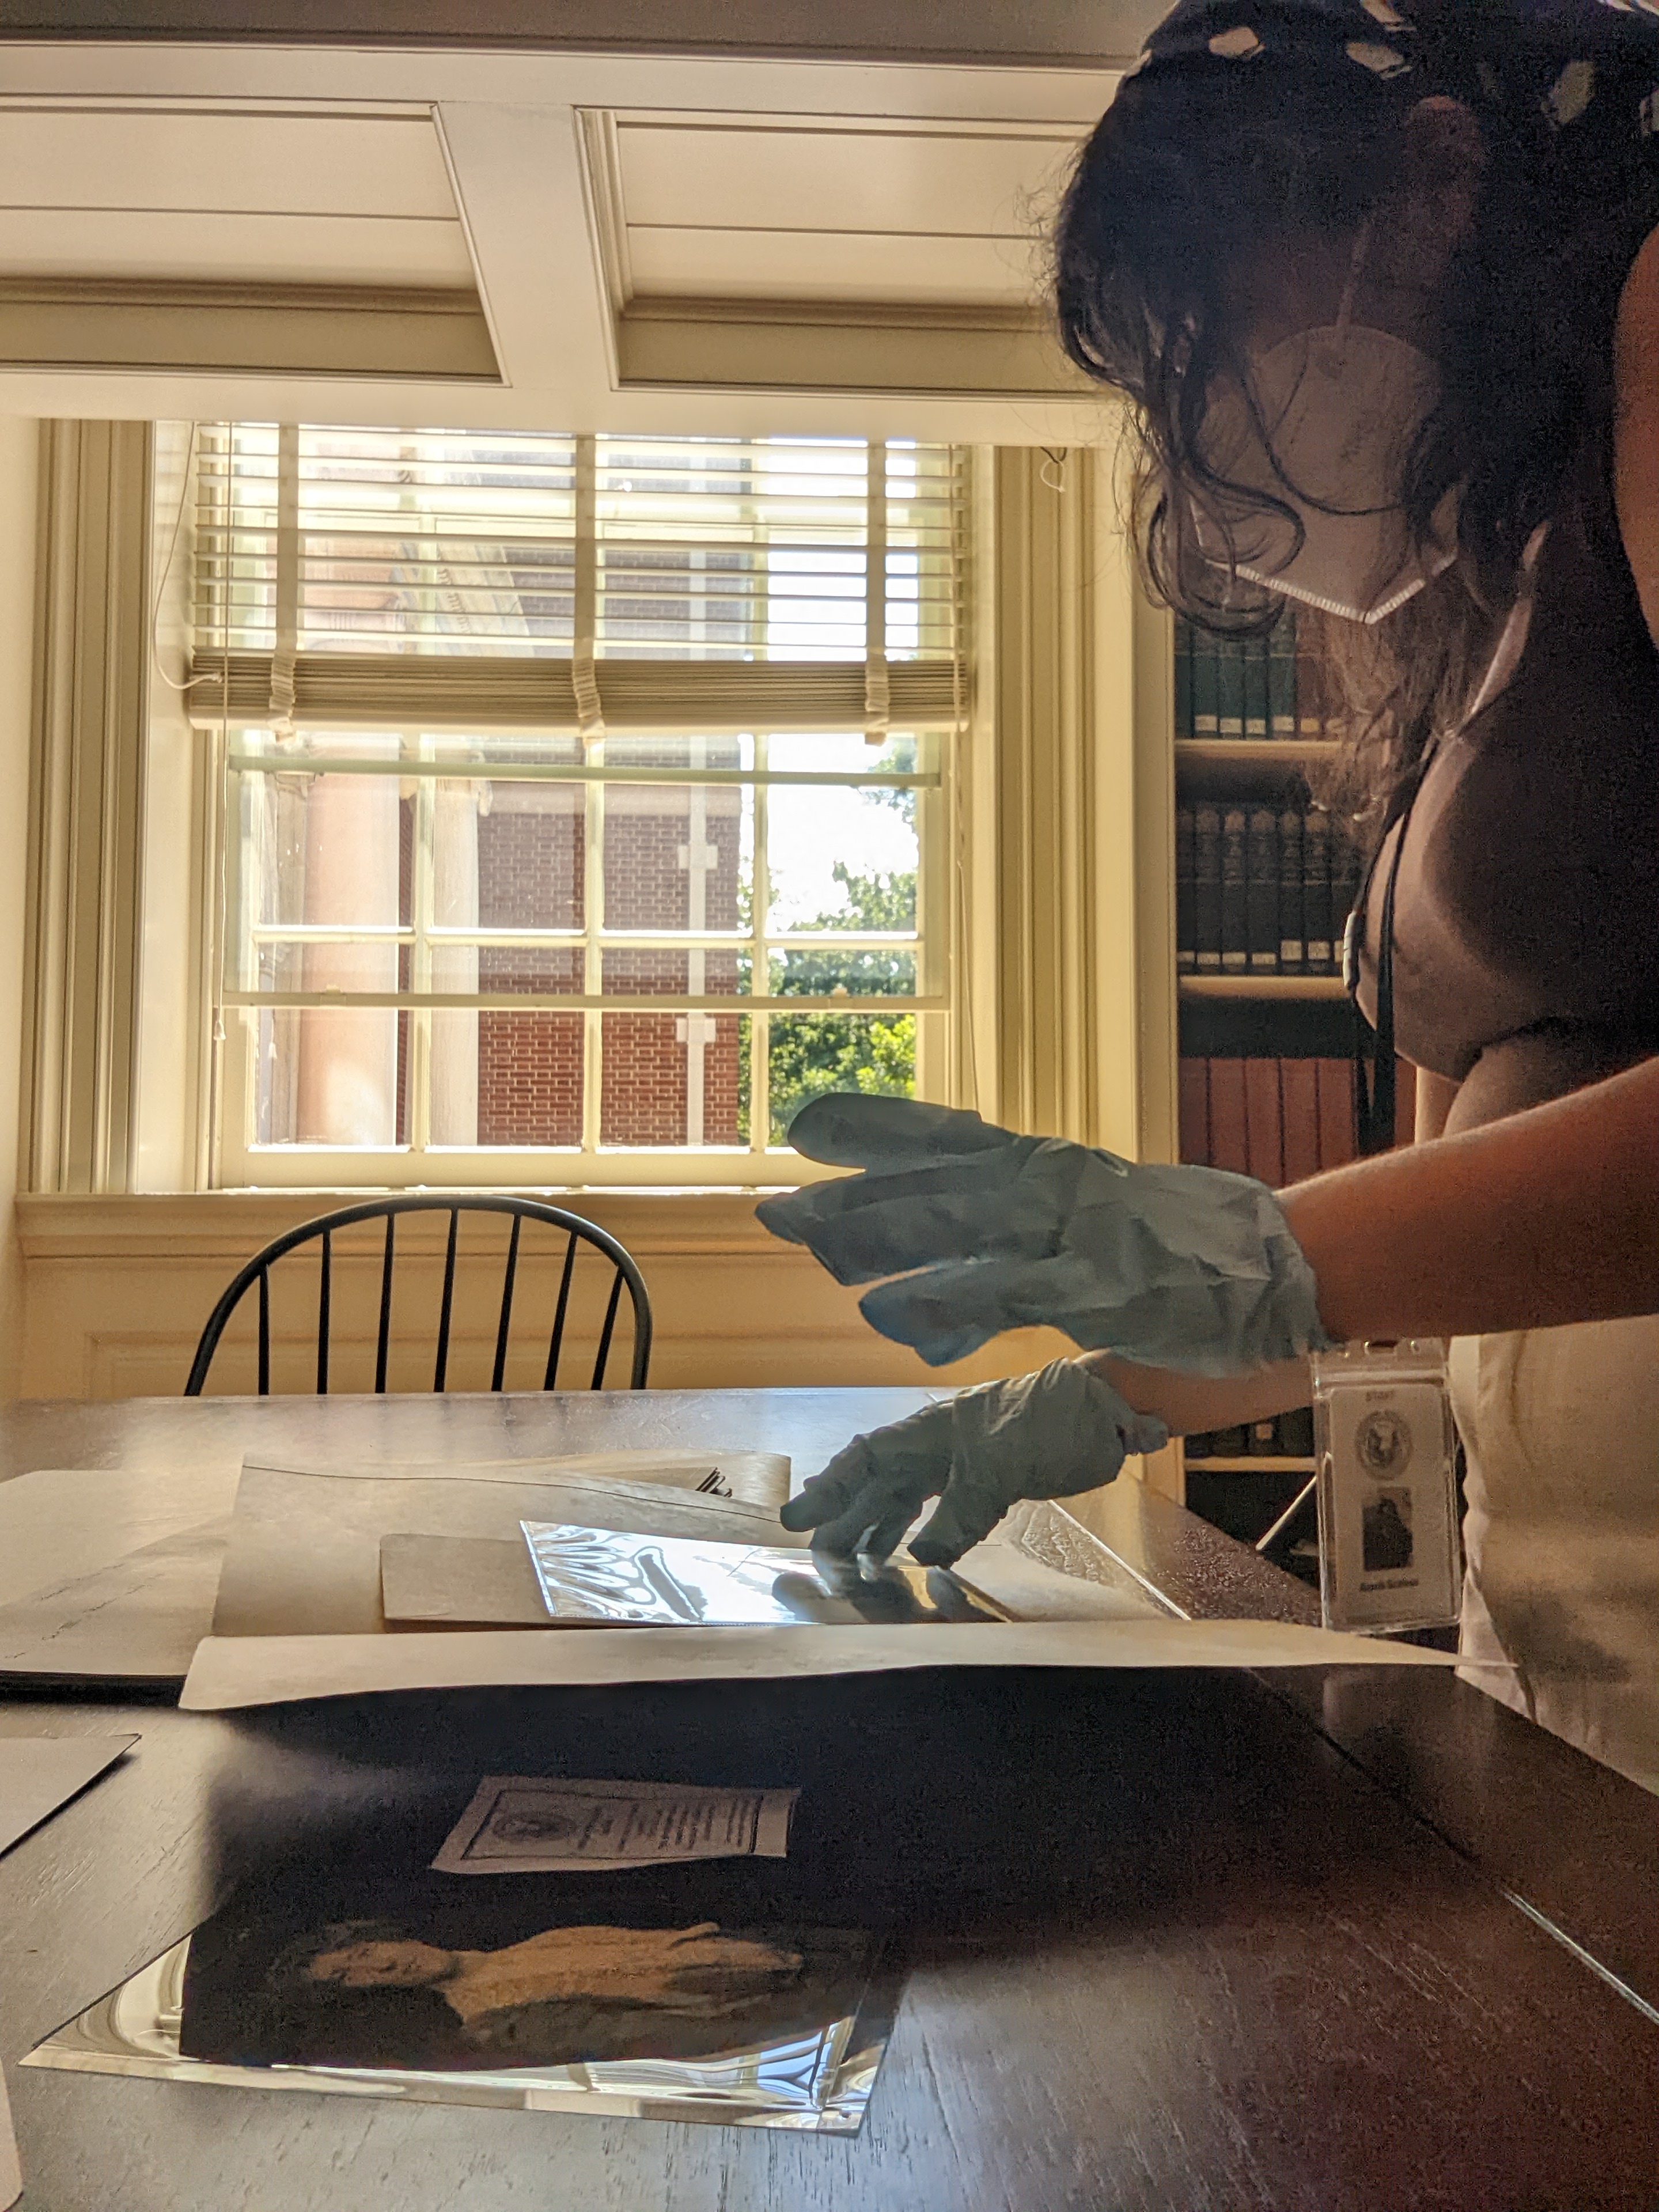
(1525, 959)
(1574, 84)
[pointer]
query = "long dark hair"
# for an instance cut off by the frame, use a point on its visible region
(1188, 175)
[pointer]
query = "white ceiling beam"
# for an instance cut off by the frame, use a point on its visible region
(509, 123)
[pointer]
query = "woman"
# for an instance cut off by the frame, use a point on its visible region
(1380, 279)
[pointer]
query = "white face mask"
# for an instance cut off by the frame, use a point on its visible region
(1341, 407)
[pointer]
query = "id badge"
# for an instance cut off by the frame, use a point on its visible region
(1390, 1555)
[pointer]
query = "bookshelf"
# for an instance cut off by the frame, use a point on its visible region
(1275, 753)
(1264, 883)
(1266, 988)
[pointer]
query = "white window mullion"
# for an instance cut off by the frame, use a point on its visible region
(760, 977)
(593, 962)
(417, 1107)
(876, 688)
(584, 676)
(288, 576)
(698, 1024)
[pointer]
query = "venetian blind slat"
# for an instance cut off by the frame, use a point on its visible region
(339, 691)
(749, 555)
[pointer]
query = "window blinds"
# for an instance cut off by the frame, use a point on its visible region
(493, 580)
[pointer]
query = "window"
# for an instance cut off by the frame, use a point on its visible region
(587, 797)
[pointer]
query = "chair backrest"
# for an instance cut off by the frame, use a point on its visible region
(576, 1232)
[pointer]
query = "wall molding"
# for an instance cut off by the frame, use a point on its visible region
(1084, 932)
(87, 806)
(119, 1287)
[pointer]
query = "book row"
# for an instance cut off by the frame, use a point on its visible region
(1287, 1436)
(1269, 686)
(1279, 1120)
(1260, 891)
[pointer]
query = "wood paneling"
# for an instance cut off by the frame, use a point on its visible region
(118, 1290)
(766, 176)
(210, 245)
(907, 269)
(204, 160)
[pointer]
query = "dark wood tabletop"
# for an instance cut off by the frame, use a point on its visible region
(1187, 1940)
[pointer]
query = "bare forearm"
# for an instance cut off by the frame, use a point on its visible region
(1549, 1217)
(1188, 1403)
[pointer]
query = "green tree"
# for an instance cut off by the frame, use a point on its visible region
(820, 1051)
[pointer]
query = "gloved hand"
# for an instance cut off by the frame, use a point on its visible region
(1185, 1268)
(1047, 1435)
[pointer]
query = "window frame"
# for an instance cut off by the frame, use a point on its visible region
(221, 682)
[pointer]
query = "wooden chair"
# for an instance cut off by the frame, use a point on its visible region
(576, 1231)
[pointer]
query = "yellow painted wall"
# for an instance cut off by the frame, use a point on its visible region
(119, 1288)
(19, 450)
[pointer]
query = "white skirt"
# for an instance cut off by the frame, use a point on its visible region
(1560, 1427)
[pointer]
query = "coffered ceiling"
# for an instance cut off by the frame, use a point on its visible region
(571, 239)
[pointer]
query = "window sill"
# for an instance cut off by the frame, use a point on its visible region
(228, 1224)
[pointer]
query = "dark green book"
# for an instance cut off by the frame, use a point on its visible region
(1316, 893)
(1206, 889)
(1345, 887)
(1262, 890)
(1207, 681)
(1185, 891)
(1230, 661)
(1255, 686)
(1293, 952)
(1235, 893)
(1183, 677)
(1281, 675)
(1296, 1432)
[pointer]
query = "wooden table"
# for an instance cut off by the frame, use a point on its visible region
(1186, 1941)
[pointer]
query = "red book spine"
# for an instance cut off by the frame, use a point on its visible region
(1299, 1090)
(1193, 1097)
(1264, 1124)
(1335, 1112)
(1229, 1128)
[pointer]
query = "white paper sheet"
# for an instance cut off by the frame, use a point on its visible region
(304, 1556)
(58, 1524)
(11, 2172)
(40, 1773)
(138, 1620)
(536, 1823)
(231, 1671)
(458, 1582)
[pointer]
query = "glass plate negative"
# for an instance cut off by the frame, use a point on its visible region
(605, 1578)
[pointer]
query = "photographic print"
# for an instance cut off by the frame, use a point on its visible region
(589, 1994)
(1386, 1531)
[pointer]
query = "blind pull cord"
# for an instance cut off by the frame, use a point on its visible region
(878, 702)
(280, 702)
(584, 677)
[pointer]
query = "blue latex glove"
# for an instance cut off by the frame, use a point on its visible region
(1047, 1435)
(1185, 1268)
